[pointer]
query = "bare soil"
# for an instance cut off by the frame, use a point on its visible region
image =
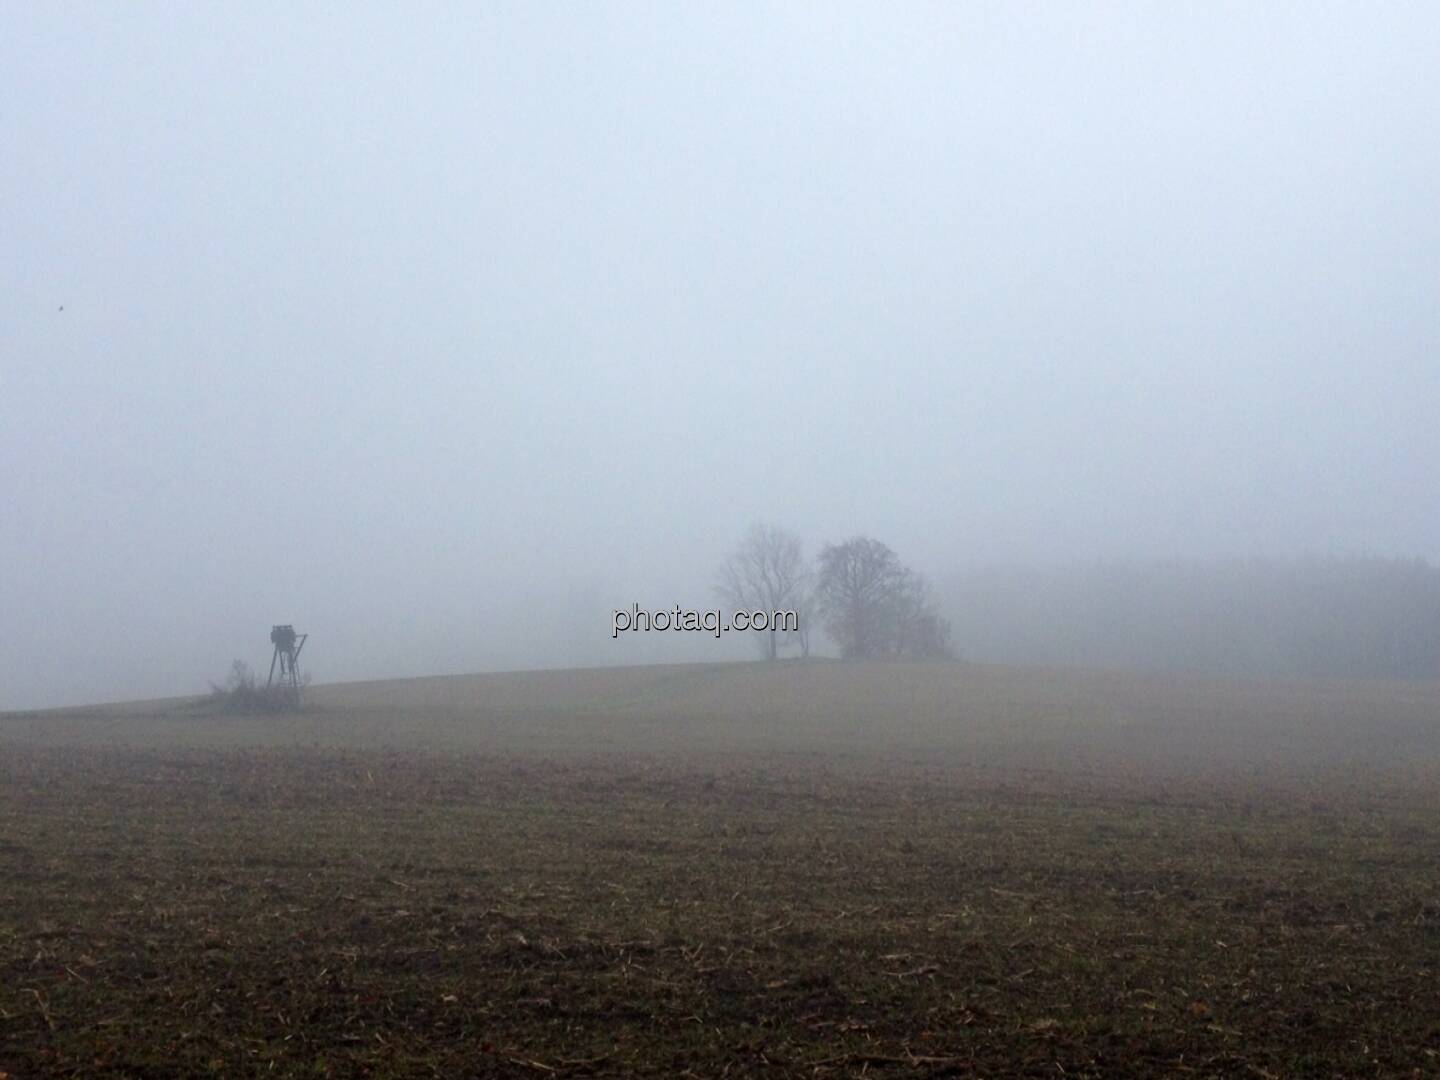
(184, 894)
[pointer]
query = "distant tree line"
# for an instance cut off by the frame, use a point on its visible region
(1353, 617)
(869, 603)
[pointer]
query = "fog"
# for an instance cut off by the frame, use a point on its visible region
(441, 332)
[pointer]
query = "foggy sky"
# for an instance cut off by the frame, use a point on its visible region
(440, 331)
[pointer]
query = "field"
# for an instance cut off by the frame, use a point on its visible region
(816, 870)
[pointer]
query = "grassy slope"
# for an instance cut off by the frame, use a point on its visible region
(1055, 717)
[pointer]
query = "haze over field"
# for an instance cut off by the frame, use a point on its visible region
(1134, 729)
(442, 333)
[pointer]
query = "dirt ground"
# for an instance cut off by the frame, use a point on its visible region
(947, 893)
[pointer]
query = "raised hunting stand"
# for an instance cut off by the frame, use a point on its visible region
(287, 656)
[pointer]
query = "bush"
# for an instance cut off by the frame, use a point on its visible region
(242, 693)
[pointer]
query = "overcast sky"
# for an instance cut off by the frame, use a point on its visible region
(440, 331)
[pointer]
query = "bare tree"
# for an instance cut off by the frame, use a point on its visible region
(768, 572)
(874, 606)
(857, 589)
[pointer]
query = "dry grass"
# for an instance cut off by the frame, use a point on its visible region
(812, 871)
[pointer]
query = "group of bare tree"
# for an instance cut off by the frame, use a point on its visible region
(875, 606)
(870, 604)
